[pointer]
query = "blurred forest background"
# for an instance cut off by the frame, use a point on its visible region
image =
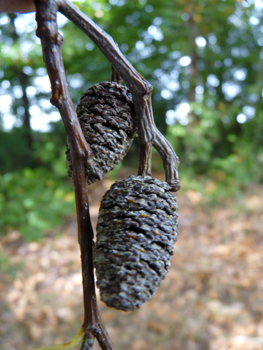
(205, 61)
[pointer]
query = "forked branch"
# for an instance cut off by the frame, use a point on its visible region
(149, 136)
(140, 88)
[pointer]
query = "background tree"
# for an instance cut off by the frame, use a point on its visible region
(204, 59)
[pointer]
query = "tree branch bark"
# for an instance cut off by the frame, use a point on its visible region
(140, 88)
(149, 136)
(51, 41)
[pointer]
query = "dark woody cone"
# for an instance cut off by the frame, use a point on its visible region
(107, 119)
(136, 232)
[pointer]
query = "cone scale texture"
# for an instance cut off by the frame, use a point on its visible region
(136, 232)
(107, 119)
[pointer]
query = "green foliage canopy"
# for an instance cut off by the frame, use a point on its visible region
(204, 59)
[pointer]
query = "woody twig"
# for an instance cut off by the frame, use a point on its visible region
(149, 136)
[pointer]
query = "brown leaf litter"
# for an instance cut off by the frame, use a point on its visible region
(211, 298)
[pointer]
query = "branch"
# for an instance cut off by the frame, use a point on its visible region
(141, 91)
(51, 41)
(149, 136)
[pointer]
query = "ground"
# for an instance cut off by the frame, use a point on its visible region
(212, 298)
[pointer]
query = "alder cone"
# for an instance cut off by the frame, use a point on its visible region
(107, 119)
(136, 232)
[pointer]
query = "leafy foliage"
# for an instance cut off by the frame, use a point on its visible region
(36, 198)
(33, 204)
(204, 59)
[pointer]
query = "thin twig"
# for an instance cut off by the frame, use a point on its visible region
(51, 41)
(141, 91)
(115, 76)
